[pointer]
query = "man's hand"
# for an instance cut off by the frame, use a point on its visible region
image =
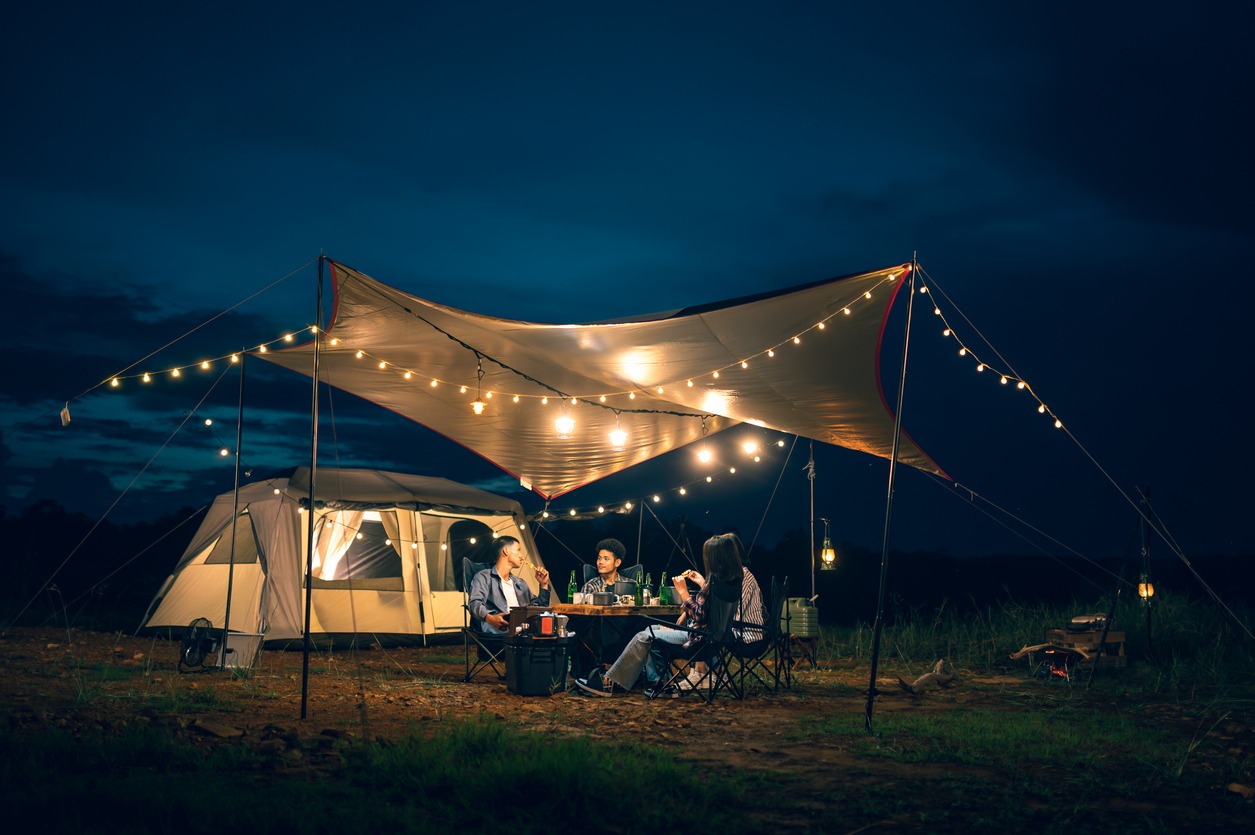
(542, 577)
(498, 621)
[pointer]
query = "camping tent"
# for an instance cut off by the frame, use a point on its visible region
(388, 551)
(804, 361)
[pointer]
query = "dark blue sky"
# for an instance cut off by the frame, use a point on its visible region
(1076, 179)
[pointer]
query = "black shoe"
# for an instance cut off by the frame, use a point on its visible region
(597, 684)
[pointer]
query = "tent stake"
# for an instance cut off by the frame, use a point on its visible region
(878, 628)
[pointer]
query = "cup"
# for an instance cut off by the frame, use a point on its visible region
(578, 598)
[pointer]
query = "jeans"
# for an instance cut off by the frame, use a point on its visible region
(637, 658)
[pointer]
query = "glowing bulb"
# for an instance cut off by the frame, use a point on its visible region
(744, 364)
(261, 349)
(413, 546)
(1020, 385)
(114, 382)
(564, 425)
(709, 479)
(963, 352)
(618, 438)
(627, 505)
(750, 447)
(936, 311)
(822, 326)
(146, 378)
(235, 358)
(892, 277)
(945, 332)
(846, 311)
(868, 294)
(923, 289)
(770, 353)
(477, 406)
(434, 383)
(704, 455)
(797, 340)
(980, 366)
(732, 470)
(335, 341)
(516, 398)
(601, 508)
(359, 535)
(660, 389)
(632, 394)
(358, 355)
(780, 443)
(1041, 409)
(224, 452)
(383, 364)
(574, 402)
(472, 540)
(690, 384)
(204, 364)
(488, 395)
(572, 513)
(462, 390)
(409, 375)
(313, 329)
(1058, 424)
(287, 337)
(602, 398)
(444, 546)
(209, 422)
(544, 401)
(174, 373)
(757, 458)
(1003, 381)
(683, 492)
(276, 491)
(657, 498)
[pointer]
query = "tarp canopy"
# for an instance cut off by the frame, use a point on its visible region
(804, 361)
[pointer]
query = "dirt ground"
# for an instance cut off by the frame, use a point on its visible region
(87, 682)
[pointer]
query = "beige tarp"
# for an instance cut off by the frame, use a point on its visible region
(803, 361)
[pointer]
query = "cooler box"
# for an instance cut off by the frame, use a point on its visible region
(242, 650)
(535, 666)
(803, 618)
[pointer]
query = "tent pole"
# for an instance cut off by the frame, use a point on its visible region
(810, 475)
(235, 516)
(878, 627)
(313, 479)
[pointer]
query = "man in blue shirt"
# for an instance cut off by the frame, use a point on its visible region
(497, 590)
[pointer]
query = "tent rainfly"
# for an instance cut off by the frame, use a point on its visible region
(560, 406)
(388, 552)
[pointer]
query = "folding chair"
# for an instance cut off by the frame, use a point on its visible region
(632, 572)
(751, 658)
(489, 648)
(711, 648)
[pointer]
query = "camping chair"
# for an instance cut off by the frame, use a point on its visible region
(489, 648)
(632, 572)
(711, 648)
(751, 658)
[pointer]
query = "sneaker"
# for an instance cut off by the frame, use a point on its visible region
(598, 685)
(671, 691)
(591, 688)
(692, 681)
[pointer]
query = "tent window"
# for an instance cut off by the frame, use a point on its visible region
(357, 546)
(468, 538)
(245, 543)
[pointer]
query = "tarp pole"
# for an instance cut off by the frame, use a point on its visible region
(235, 516)
(313, 480)
(810, 476)
(878, 627)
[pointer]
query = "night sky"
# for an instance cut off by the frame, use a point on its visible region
(1076, 178)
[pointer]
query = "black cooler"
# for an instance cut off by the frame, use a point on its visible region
(535, 666)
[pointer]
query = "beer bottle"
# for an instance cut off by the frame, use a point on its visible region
(571, 589)
(640, 596)
(664, 595)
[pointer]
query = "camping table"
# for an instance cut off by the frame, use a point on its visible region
(520, 614)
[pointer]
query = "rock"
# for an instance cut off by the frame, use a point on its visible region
(1243, 790)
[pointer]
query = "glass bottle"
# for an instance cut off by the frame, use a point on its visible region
(664, 593)
(571, 589)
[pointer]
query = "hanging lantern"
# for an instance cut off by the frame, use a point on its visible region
(1145, 589)
(827, 554)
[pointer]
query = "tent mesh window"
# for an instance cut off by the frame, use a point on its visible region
(245, 543)
(358, 550)
(471, 539)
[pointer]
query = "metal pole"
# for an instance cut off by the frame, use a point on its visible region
(313, 479)
(235, 516)
(1147, 602)
(878, 628)
(810, 475)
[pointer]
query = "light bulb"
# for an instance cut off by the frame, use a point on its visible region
(409, 375)
(174, 373)
(683, 492)
(204, 364)
(601, 508)
(477, 406)
(572, 513)
(704, 455)
(146, 378)
(235, 358)
(963, 352)
(627, 505)
(618, 438)
(797, 340)
(657, 498)
(564, 425)
(209, 421)
(462, 389)
(358, 355)
(744, 364)
(846, 311)
(1058, 424)
(287, 337)
(224, 452)
(770, 353)
(434, 383)
(261, 349)
(516, 398)
(114, 382)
